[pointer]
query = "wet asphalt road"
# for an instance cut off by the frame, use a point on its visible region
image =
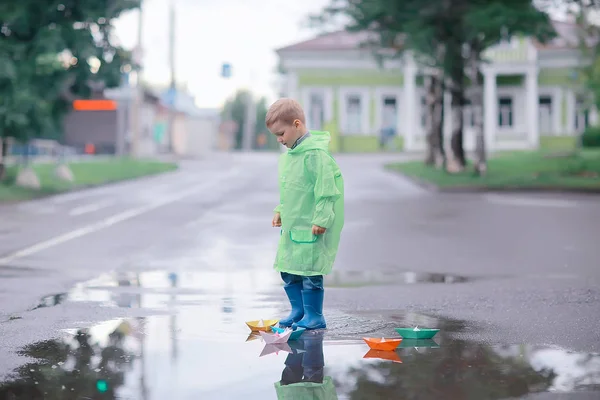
(140, 291)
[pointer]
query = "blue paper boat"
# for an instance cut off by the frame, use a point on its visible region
(295, 334)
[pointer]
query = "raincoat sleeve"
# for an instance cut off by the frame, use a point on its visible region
(277, 209)
(322, 172)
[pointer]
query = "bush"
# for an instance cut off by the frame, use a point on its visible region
(591, 137)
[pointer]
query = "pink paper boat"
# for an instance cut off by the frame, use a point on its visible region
(275, 348)
(276, 338)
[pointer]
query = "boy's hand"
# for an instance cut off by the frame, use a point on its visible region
(276, 220)
(317, 230)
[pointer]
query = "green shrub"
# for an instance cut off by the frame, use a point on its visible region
(591, 137)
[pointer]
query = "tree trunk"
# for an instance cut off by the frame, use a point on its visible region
(3, 156)
(477, 105)
(435, 121)
(456, 161)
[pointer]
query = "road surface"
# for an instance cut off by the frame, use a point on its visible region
(173, 265)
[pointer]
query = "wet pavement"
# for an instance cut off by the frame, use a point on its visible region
(145, 296)
(199, 348)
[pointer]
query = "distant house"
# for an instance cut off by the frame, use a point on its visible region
(530, 90)
(108, 130)
(195, 130)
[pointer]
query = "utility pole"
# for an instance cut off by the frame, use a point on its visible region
(138, 92)
(250, 120)
(249, 123)
(172, 86)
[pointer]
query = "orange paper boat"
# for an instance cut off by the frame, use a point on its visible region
(261, 325)
(382, 343)
(383, 355)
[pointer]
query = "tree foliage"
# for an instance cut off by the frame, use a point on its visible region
(235, 109)
(444, 35)
(52, 52)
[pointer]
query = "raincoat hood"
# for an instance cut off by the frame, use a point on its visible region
(318, 140)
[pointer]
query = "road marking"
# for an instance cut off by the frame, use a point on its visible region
(112, 220)
(529, 201)
(88, 208)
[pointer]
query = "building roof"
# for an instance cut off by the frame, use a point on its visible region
(344, 40)
(338, 40)
(567, 37)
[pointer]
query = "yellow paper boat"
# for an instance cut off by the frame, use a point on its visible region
(255, 326)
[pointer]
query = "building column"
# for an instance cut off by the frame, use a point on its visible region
(593, 115)
(490, 108)
(570, 128)
(406, 121)
(532, 107)
(557, 101)
(292, 86)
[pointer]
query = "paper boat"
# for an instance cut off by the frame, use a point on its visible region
(417, 343)
(275, 348)
(261, 325)
(295, 334)
(417, 333)
(383, 355)
(252, 336)
(276, 338)
(382, 343)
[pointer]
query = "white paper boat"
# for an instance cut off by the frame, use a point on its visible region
(275, 338)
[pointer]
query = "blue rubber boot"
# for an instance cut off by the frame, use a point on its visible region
(313, 310)
(313, 362)
(294, 294)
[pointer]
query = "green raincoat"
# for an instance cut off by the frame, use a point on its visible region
(307, 390)
(311, 191)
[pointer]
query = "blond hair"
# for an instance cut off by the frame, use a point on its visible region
(285, 110)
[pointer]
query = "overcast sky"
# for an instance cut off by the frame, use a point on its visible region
(244, 33)
(208, 33)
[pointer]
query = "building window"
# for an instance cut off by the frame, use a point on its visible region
(505, 112)
(316, 111)
(389, 113)
(354, 114)
(582, 115)
(545, 114)
(468, 114)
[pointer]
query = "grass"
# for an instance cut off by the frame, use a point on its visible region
(558, 143)
(87, 173)
(517, 170)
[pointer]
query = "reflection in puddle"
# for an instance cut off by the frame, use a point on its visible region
(342, 278)
(51, 300)
(134, 359)
(203, 349)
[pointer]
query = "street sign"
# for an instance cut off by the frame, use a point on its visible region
(226, 70)
(169, 96)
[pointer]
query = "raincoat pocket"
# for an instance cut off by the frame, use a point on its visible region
(305, 247)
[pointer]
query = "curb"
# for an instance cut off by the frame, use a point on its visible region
(80, 188)
(501, 189)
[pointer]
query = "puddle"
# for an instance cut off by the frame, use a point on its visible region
(51, 300)
(157, 358)
(341, 278)
(202, 349)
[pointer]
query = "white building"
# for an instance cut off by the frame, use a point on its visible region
(530, 90)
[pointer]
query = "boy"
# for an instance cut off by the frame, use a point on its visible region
(310, 213)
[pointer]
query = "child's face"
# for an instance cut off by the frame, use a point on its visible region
(287, 134)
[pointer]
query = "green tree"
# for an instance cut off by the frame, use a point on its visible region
(448, 38)
(52, 52)
(235, 109)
